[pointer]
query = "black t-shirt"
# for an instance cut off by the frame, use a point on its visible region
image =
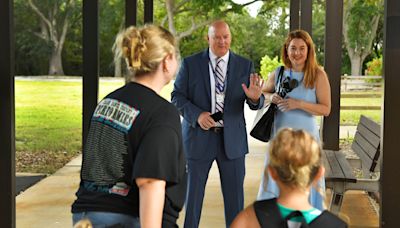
(133, 133)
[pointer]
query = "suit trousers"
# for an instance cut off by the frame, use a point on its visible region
(232, 172)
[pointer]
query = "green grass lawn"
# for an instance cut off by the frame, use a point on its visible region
(351, 117)
(49, 121)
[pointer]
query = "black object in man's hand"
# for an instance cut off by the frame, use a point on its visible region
(217, 116)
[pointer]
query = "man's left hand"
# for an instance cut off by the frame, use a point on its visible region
(254, 91)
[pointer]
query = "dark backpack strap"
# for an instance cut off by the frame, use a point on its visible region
(297, 214)
(268, 214)
(327, 220)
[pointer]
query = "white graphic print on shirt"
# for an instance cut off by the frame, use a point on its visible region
(115, 114)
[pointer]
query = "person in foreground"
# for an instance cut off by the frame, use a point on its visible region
(309, 95)
(215, 81)
(133, 172)
(295, 165)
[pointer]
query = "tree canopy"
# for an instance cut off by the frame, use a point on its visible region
(49, 32)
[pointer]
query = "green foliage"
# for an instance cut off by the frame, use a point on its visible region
(275, 15)
(346, 63)
(318, 33)
(30, 51)
(363, 31)
(111, 21)
(375, 67)
(268, 65)
(248, 42)
(361, 13)
(193, 43)
(252, 37)
(33, 52)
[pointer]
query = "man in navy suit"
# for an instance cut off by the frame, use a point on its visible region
(215, 81)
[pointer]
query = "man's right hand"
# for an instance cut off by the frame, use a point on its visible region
(205, 121)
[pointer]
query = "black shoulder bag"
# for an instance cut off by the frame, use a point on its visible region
(262, 130)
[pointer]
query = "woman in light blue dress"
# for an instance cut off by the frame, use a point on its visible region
(311, 97)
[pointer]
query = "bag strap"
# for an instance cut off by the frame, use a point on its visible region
(328, 220)
(280, 76)
(268, 214)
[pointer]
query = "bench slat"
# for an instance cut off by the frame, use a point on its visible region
(345, 166)
(371, 125)
(337, 167)
(366, 161)
(361, 145)
(369, 136)
(365, 146)
(367, 143)
(335, 170)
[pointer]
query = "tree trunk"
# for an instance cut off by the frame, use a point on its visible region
(50, 33)
(358, 51)
(356, 64)
(55, 64)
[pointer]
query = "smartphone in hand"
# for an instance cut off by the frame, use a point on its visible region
(217, 116)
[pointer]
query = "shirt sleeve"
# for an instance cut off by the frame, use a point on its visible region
(159, 155)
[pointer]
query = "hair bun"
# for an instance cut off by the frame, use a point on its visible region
(144, 48)
(137, 46)
(296, 156)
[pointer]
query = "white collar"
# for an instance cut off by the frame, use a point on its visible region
(213, 56)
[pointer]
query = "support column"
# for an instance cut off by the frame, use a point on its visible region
(390, 196)
(294, 14)
(130, 12)
(306, 16)
(333, 63)
(90, 78)
(148, 11)
(7, 116)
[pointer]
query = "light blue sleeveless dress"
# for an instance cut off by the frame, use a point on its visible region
(296, 119)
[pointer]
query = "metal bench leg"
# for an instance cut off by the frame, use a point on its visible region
(337, 198)
(336, 203)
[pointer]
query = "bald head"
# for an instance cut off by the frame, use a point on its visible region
(219, 38)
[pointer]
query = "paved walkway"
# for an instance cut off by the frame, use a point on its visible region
(47, 203)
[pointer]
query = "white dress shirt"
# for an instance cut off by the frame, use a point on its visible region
(224, 67)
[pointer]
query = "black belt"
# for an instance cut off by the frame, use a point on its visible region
(217, 129)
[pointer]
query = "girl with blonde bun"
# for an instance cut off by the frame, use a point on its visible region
(295, 165)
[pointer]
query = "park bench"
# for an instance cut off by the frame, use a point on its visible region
(340, 175)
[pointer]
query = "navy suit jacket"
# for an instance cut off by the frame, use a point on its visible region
(192, 96)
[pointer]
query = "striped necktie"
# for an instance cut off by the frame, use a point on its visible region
(219, 87)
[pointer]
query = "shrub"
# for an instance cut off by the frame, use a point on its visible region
(268, 65)
(374, 68)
